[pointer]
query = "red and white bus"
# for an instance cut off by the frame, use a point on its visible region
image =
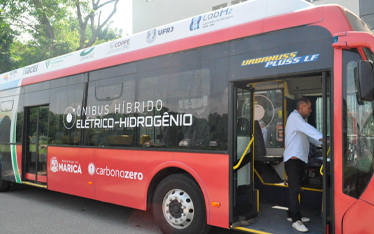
(166, 119)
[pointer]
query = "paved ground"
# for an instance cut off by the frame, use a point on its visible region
(26, 209)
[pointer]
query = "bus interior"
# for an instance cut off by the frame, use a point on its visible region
(273, 101)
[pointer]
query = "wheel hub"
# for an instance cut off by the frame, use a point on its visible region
(178, 208)
(175, 209)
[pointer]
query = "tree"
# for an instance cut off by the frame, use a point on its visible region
(44, 29)
(51, 28)
(7, 35)
(89, 18)
(50, 13)
(6, 39)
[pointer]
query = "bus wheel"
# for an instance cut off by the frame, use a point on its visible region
(179, 207)
(4, 185)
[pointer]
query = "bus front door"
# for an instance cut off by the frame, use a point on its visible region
(35, 144)
(244, 198)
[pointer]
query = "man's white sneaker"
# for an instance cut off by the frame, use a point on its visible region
(298, 225)
(303, 219)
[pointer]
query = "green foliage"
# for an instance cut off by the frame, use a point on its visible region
(41, 48)
(108, 34)
(49, 28)
(7, 35)
(6, 39)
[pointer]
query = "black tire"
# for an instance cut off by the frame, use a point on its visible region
(4, 185)
(188, 213)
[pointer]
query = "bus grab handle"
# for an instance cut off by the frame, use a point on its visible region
(245, 152)
(321, 170)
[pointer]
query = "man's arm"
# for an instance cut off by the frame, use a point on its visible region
(308, 130)
(315, 142)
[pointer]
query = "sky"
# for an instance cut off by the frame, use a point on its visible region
(123, 17)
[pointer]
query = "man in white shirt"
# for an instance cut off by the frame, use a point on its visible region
(298, 134)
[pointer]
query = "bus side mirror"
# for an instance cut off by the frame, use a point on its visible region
(364, 79)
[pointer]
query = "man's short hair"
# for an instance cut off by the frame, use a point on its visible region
(302, 100)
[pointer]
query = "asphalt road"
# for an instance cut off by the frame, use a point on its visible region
(26, 209)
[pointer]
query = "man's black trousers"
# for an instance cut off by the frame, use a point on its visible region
(294, 169)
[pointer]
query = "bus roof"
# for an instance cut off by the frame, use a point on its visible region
(133, 46)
